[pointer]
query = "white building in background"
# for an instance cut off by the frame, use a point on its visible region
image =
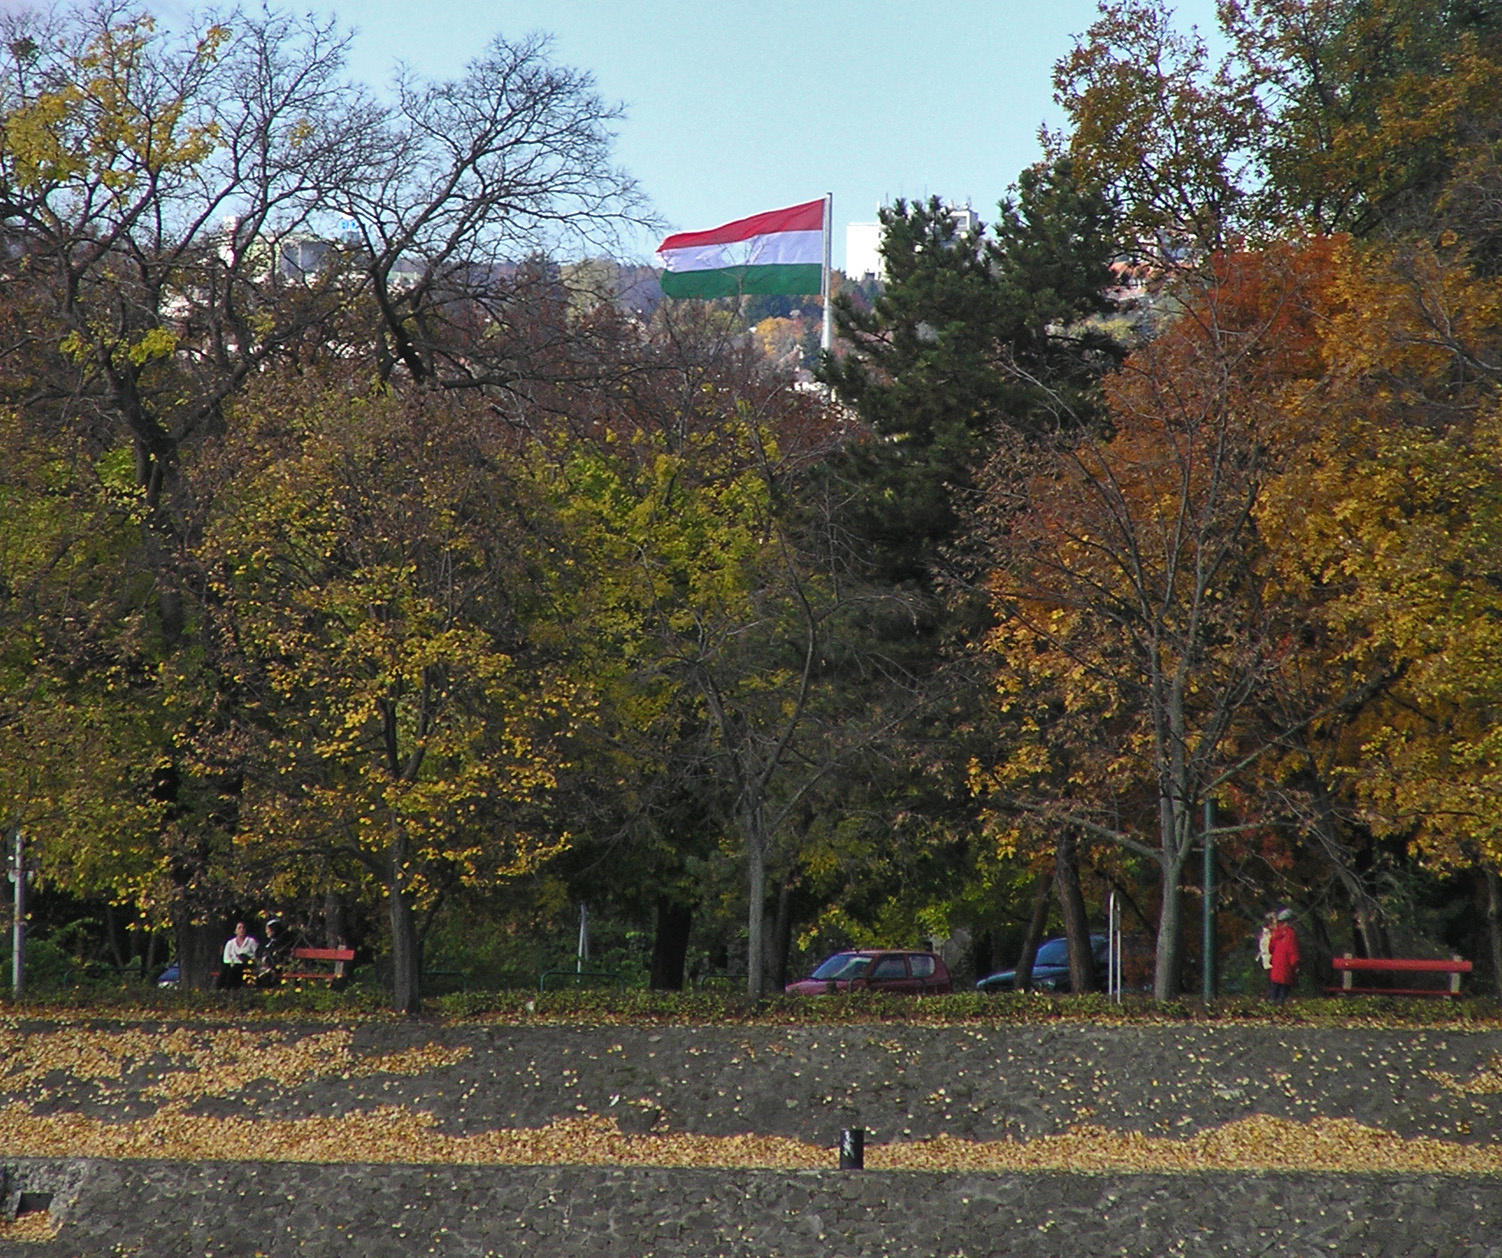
(965, 219)
(863, 251)
(863, 243)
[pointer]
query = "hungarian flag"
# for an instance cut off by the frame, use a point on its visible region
(781, 251)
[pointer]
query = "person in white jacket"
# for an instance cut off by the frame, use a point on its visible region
(1265, 944)
(239, 956)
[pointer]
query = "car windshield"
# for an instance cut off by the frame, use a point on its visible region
(1054, 952)
(843, 965)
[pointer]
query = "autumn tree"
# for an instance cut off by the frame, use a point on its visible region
(722, 612)
(1136, 620)
(1390, 524)
(124, 150)
(1365, 117)
(175, 195)
(171, 206)
(638, 477)
(1360, 116)
(1151, 121)
(392, 720)
(1376, 119)
(153, 183)
(473, 185)
(79, 760)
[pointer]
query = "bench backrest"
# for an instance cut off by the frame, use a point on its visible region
(324, 954)
(1456, 966)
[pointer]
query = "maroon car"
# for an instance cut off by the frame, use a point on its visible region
(876, 970)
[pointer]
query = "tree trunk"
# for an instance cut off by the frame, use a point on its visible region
(756, 863)
(1032, 935)
(112, 929)
(1494, 922)
(1066, 872)
(334, 929)
(782, 934)
(754, 922)
(1167, 977)
(406, 953)
(1369, 920)
(148, 960)
(670, 944)
(198, 951)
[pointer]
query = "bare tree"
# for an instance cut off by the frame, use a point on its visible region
(508, 163)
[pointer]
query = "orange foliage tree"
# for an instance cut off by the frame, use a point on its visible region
(1139, 620)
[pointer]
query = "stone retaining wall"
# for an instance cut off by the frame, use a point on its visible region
(903, 1083)
(230, 1210)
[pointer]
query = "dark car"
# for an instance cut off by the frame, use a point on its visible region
(1050, 968)
(876, 970)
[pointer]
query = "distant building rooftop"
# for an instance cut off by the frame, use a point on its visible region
(863, 243)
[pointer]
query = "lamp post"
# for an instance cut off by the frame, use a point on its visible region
(18, 924)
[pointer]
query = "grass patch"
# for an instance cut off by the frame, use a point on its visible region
(316, 1003)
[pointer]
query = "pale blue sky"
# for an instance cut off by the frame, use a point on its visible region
(733, 108)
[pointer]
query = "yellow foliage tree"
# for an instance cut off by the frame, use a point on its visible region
(372, 568)
(1396, 514)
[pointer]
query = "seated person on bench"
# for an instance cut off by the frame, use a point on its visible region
(274, 952)
(239, 956)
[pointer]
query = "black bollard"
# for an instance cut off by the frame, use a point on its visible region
(853, 1149)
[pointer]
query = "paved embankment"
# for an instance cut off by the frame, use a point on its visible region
(415, 1138)
(900, 1082)
(229, 1210)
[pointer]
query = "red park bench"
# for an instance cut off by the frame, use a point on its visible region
(1349, 966)
(334, 962)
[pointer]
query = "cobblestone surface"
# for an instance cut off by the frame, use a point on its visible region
(898, 1082)
(901, 1083)
(228, 1210)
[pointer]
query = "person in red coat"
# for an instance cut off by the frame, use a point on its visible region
(1285, 957)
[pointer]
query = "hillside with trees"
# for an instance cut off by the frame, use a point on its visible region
(376, 551)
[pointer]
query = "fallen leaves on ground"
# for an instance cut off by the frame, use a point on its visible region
(1259, 1143)
(193, 1062)
(32, 1227)
(1485, 1082)
(393, 1134)
(387, 1134)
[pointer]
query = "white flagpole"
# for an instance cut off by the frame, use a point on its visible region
(826, 338)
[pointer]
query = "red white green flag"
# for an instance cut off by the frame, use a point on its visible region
(781, 251)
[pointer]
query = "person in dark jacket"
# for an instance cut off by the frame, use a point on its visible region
(273, 954)
(1284, 951)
